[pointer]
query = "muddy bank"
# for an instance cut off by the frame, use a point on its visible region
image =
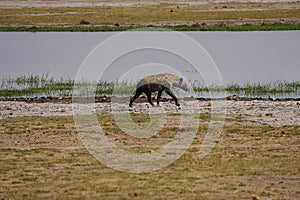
(105, 99)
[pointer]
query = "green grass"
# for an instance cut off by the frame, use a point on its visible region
(44, 85)
(35, 85)
(245, 27)
(255, 89)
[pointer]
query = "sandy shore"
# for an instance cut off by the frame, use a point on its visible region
(274, 113)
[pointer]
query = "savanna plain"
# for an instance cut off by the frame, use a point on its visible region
(255, 157)
(43, 157)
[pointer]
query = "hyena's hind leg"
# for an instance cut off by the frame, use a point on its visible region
(158, 96)
(148, 93)
(138, 92)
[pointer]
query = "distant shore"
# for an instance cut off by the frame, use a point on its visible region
(88, 15)
(83, 3)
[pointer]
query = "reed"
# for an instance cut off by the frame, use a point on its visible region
(36, 85)
(279, 87)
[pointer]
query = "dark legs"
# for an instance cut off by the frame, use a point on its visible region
(158, 96)
(138, 92)
(149, 98)
(173, 96)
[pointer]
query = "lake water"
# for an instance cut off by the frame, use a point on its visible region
(253, 57)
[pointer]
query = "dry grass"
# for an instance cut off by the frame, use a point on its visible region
(145, 15)
(42, 157)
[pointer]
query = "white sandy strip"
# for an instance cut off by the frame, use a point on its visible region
(274, 113)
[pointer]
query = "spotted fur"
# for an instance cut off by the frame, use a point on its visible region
(159, 83)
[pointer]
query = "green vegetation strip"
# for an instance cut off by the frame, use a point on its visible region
(43, 85)
(254, 89)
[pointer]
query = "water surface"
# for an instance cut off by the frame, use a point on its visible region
(240, 56)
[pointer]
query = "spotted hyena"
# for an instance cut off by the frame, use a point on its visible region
(159, 83)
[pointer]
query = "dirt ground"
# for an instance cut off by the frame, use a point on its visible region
(271, 112)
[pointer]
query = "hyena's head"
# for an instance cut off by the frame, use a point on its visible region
(181, 84)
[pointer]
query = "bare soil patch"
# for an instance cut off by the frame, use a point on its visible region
(275, 112)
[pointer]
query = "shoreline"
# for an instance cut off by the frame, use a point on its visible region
(250, 112)
(107, 99)
(212, 25)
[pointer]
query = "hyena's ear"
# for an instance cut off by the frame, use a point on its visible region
(180, 80)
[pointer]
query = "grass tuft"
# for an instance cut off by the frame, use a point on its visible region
(255, 89)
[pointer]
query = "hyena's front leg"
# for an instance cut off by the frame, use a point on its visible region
(138, 92)
(173, 96)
